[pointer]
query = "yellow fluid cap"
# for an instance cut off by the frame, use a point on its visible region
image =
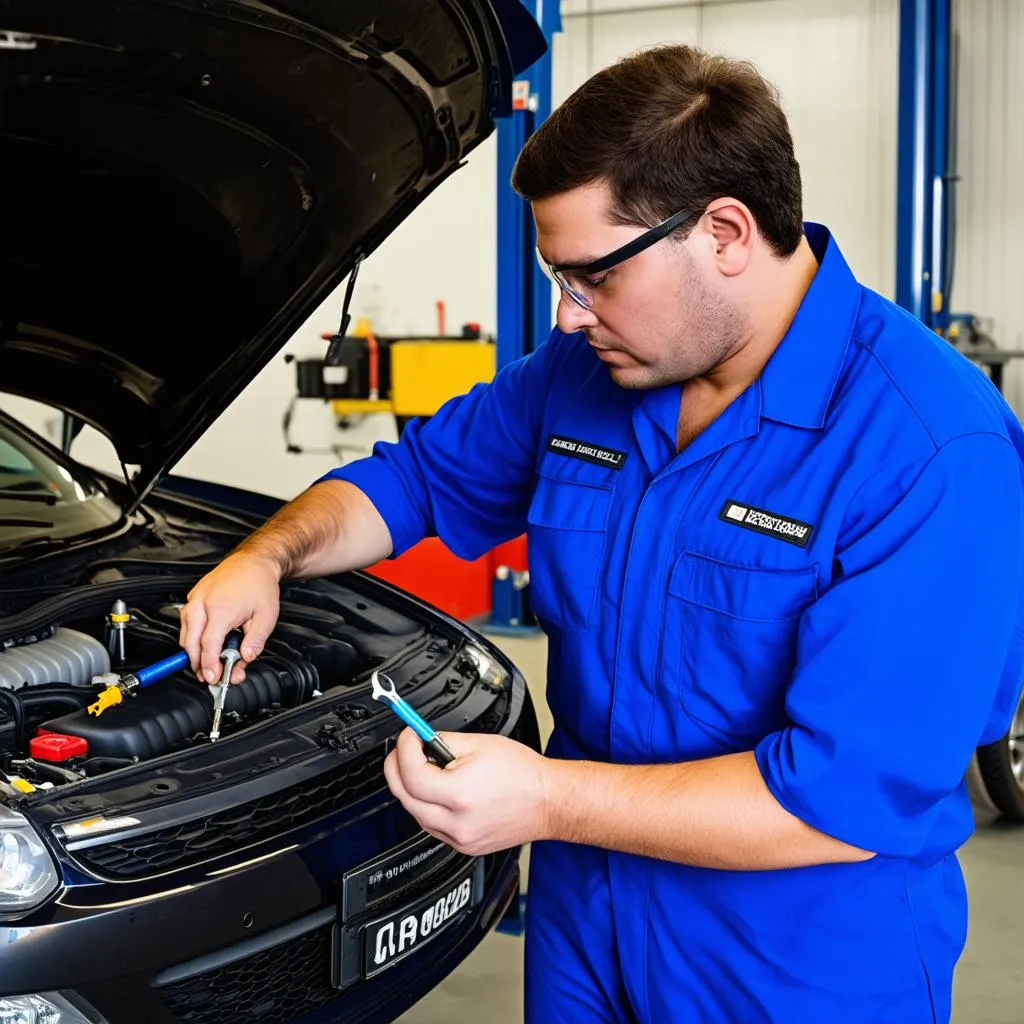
(107, 699)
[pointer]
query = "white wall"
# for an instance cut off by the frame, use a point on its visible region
(835, 65)
(990, 196)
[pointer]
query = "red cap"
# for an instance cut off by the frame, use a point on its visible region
(57, 747)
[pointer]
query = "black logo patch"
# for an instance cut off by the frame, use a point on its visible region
(588, 452)
(757, 519)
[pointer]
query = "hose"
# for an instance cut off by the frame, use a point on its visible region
(14, 706)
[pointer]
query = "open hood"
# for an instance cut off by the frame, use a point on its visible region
(185, 181)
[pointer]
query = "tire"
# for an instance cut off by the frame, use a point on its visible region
(1001, 767)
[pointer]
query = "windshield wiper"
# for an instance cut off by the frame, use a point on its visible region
(41, 523)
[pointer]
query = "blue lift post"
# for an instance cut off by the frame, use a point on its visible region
(524, 292)
(524, 299)
(922, 195)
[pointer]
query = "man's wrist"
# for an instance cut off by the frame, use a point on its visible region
(558, 783)
(269, 557)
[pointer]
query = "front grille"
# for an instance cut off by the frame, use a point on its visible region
(194, 842)
(276, 985)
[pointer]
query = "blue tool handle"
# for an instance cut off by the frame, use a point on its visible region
(232, 642)
(162, 669)
(405, 712)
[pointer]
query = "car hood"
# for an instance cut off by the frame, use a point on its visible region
(187, 180)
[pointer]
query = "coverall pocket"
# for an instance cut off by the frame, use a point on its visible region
(567, 526)
(730, 641)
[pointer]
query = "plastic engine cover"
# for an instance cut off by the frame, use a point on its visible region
(165, 716)
(66, 657)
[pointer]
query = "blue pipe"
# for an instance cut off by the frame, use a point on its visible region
(913, 189)
(922, 231)
(162, 669)
(940, 94)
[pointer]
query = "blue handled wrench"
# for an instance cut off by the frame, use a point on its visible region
(433, 746)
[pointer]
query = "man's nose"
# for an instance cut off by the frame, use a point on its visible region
(572, 316)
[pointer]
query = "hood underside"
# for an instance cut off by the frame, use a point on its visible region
(186, 181)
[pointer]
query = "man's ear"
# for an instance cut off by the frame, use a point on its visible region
(732, 226)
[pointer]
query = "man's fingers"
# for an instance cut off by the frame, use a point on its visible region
(430, 816)
(193, 622)
(423, 780)
(211, 644)
(257, 630)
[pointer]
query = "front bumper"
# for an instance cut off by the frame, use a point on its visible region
(260, 944)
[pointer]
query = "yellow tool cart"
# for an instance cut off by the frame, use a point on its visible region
(403, 376)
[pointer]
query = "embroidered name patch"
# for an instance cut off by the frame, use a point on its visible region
(586, 451)
(768, 523)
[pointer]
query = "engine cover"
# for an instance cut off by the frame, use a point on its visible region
(66, 657)
(165, 716)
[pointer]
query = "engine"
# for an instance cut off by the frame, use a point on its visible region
(326, 636)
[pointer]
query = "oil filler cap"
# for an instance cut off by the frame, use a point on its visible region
(55, 746)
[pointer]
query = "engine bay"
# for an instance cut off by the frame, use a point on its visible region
(328, 635)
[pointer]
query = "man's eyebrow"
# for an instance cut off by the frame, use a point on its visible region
(581, 261)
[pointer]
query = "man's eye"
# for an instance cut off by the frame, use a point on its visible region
(595, 282)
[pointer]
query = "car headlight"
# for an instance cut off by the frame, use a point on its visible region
(27, 872)
(44, 1008)
(492, 674)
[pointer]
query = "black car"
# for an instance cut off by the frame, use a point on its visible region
(184, 182)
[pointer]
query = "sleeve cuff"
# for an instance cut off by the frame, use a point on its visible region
(382, 485)
(836, 814)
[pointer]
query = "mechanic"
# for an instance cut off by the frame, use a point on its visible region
(776, 535)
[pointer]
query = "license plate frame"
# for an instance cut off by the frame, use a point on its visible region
(378, 880)
(366, 949)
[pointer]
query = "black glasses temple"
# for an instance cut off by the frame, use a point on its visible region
(629, 250)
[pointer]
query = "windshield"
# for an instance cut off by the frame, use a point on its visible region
(44, 495)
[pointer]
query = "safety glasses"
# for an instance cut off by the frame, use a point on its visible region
(573, 278)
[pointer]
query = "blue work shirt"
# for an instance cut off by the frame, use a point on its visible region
(830, 575)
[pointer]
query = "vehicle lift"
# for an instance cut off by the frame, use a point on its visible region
(926, 180)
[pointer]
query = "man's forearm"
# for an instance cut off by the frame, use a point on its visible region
(716, 813)
(332, 527)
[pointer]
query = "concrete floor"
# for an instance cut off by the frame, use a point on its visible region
(989, 987)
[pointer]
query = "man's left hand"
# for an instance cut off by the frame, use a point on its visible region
(491, 797)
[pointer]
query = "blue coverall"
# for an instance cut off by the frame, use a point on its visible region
(830, 575)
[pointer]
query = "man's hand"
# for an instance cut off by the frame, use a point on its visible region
(243, 591)
(491, 797)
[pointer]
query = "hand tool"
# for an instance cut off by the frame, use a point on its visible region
(230, 655)
(433, 746)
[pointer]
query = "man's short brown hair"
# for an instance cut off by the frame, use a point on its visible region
(672, 128)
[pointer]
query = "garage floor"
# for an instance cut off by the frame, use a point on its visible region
(990, 982)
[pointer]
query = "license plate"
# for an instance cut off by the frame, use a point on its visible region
(388, 939)
(367, 886)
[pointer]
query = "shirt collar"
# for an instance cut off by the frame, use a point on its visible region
(799, 380)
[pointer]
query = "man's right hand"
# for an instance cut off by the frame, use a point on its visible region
(244, 591)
